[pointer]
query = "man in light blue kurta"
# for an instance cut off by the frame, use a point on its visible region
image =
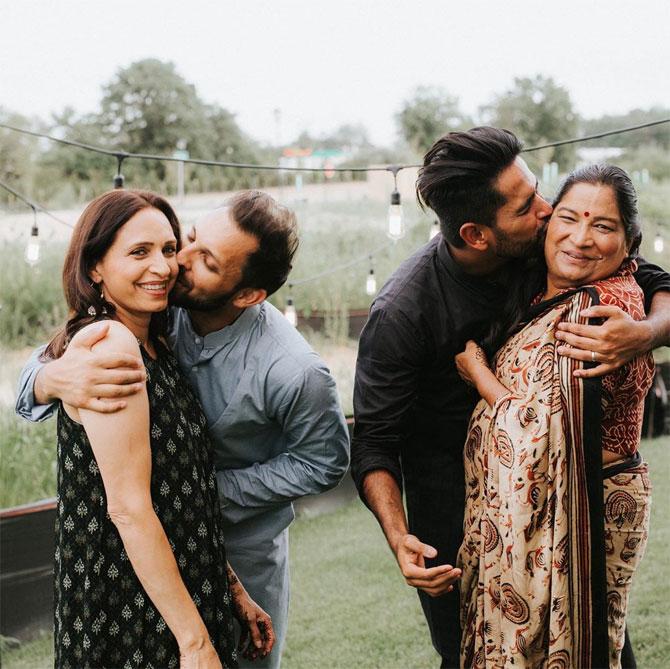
(278, 434)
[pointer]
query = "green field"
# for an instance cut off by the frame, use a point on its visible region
(351, 608)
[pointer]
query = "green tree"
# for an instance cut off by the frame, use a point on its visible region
(148, 106)
(658, 135)
(427, 115)
(651, 157)
(228, 143)
(68, 174)
(538, 111)
(17, 155)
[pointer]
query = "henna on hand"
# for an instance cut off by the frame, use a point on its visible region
(480, 356)
(232, 576)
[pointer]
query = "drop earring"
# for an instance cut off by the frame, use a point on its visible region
(92, 311)
(102, 299)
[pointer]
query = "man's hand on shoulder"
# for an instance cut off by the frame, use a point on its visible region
(86, 379)
(612, 344)
(411, 554)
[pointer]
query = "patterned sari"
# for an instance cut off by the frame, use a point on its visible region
(534, 584)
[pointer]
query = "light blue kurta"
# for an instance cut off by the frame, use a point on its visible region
(278, 434)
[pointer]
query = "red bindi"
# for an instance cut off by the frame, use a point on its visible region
(586, 213)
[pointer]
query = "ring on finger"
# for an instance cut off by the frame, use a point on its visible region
(593, 356)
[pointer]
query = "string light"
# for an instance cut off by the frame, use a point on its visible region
(434, 230)
(118, 179)
(371, 281)
(280, 168)
(396, 228)
(33, 205)
(32, 254)
(289, 311)
(396, 223)
(659, 243)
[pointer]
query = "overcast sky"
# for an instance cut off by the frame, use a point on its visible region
(328, 63)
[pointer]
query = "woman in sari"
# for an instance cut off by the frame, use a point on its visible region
(557, 496)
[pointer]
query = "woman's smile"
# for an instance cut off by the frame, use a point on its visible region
(155, 288)
(585, 240)
(579, 258)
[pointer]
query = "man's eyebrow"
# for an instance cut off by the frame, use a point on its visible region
(529, 199)
(205, 250)
(213, 257)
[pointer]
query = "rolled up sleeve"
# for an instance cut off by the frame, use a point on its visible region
(316, 455)
(25, 397)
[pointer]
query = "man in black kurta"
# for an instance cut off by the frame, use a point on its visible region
(411, 407)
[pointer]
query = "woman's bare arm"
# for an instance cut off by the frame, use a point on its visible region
(120, 442)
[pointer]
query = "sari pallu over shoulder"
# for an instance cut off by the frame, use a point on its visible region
(533, 589)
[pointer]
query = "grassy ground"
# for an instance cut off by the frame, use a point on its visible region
(350, 607)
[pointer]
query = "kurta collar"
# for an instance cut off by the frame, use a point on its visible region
(219, 338)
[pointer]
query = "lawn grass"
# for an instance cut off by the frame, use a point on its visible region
(351, 608)
(649, 620)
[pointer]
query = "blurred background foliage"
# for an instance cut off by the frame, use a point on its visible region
(148, 107)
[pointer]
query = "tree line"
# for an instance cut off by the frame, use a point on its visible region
(148, 107)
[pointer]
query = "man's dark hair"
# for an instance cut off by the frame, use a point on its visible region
(457, 180)
(276, 230)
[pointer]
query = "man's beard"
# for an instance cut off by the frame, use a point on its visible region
(508, 248)
(213, 303)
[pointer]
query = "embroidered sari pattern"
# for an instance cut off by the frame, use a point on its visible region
(547, 562)
(526, 555)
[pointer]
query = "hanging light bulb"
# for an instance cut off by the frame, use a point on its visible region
(371, 281)
(396, 224)
(434, 230)
(396, 228)
(289, 311)
(119, 179)
(33, 248)
(659, 244)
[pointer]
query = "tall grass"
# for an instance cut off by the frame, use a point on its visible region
(332, 233)
(27, 459)
(32, 306)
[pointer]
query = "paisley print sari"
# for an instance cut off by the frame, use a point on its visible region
(534, 583)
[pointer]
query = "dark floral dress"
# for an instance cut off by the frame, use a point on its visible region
(103, 616)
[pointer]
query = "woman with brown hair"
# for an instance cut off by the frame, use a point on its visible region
(141, 577)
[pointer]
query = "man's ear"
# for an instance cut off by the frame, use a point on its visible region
(247, 297)
(476, 236)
